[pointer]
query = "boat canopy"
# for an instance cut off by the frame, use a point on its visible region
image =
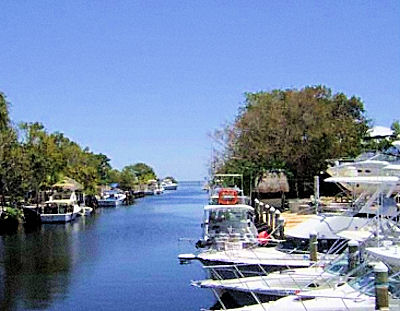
(326, 226)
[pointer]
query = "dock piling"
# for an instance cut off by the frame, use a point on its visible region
(381, 287)
(313, 247)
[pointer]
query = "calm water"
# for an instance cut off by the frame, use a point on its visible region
(118, 259)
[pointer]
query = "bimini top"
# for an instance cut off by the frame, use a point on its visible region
(225, 207)
(365, 179)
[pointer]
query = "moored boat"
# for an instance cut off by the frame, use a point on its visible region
(111, 198)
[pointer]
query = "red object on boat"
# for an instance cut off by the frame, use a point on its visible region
(263, 237)
(227, 197)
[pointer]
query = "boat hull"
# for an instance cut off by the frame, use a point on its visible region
(109, 203)
(57, 218)
(170, 187)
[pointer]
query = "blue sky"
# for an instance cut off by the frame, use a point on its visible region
(148, 80)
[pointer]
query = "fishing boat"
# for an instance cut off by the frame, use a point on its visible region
(111, 198)
(280, 283)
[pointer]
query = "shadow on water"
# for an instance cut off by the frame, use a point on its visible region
(32, 274)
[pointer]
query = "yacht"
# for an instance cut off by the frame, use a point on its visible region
(169, 184)
(62, 207)
(368, 164)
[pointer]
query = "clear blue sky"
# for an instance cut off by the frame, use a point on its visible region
(147, 80)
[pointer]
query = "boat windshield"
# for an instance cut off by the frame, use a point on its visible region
(229, 221)
(338, 267)
(61, 195)
(61, 208)
(364, 284)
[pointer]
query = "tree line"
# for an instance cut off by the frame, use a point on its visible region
(31, 160)
(294, 131)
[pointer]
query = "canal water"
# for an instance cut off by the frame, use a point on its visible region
(118, 259)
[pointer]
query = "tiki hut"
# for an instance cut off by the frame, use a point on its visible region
(68, 184)
(273, 182)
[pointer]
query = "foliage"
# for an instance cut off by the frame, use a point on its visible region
(294, 130)
(143, 172)
(128, 178)
(396, 129)
(13, 213)
(31, 159)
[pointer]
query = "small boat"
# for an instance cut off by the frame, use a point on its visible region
(86, 211)
(112, 198)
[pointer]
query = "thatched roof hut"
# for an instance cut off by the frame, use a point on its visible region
(68, 184)
(272, 182)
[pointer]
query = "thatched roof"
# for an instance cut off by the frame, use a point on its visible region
(68, 184)
(273, 182)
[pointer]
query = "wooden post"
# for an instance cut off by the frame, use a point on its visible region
(381, 287)
(316, 193)
(281, 225)
(271, 217)
(257, 210)
(313, 247)
(277, 216)
(353, 254)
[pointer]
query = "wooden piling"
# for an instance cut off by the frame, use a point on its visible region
(381, 287)
(313, 247)
(353, 254)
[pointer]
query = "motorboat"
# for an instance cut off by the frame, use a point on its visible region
(86, 211)
(60, 208)
(169, 184)
(368, 164)
(279, 283)
(357, 294)
(228, 226)
(111, 198)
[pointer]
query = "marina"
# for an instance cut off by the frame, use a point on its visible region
(200, 155)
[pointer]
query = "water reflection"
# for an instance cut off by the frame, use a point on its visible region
(35, 265)
(118, 259)
(35, 268)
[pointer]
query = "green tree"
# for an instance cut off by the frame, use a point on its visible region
(128, 179)
(396, 129)
(294, 130)
(143, 172)
(10, 168)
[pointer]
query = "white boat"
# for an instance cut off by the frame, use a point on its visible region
(111, 198)
(62, 207)
(355, 295)
(279, 283)
(368, 164)
(228, 227)
(169, 184)
(86, 211)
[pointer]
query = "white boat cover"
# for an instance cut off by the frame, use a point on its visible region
(266, 256)
(327, 227)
